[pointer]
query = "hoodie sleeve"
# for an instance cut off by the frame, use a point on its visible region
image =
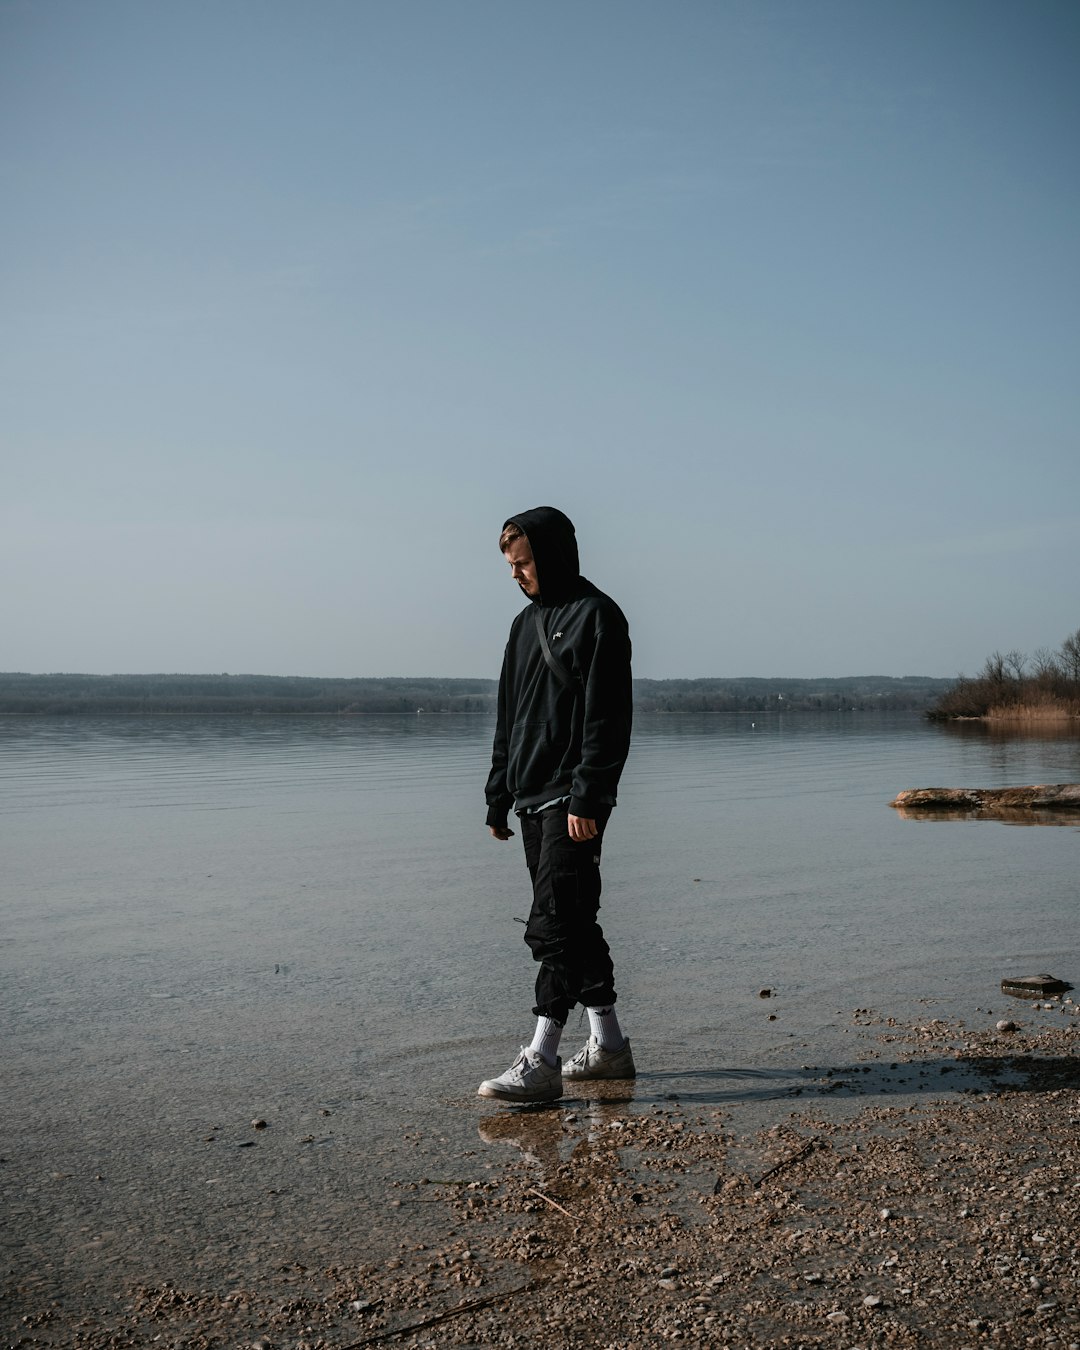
(499, 800)
(608, 715)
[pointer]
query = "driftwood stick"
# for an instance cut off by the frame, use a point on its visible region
(471, 1305)
(553, 1203)
(787, 1162)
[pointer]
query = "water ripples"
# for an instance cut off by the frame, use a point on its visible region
(238, 762)
(147, 764)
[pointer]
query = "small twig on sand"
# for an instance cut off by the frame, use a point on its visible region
(470, 1306)
(787, 1162)
(743, 1180)
(554, 1203)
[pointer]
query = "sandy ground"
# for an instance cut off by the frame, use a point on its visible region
(950, 1221)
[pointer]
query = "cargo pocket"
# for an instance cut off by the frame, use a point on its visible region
(566, 889)
(577, 893)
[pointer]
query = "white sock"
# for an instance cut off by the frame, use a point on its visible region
(605, 1029)
(545, 1039)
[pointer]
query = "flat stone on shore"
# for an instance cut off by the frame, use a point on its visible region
(1056, 796)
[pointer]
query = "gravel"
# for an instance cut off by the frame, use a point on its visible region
(614, 1224)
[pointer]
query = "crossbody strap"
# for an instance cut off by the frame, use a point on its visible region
(557, 668)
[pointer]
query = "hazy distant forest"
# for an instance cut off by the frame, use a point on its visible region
(1042, 687)
(24, 695)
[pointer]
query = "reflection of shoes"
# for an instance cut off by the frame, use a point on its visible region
(536, 1133)
(529, 1079)
(593, 1061)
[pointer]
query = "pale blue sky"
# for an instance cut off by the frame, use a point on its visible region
(777, 300)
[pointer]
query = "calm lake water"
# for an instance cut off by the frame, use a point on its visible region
(207, 922)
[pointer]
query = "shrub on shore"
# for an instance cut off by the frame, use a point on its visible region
(1016, 688)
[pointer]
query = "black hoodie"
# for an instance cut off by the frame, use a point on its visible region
(552, 741)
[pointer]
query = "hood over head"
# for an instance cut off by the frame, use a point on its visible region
(554, 548)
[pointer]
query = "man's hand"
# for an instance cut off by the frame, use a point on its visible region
(581, 829)
(501, 832)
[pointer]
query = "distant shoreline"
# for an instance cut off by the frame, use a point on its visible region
(1014, 691)
(159, 695)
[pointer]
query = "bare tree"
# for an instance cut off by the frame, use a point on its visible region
(1015, 662)
(1048, 683)
(1070, 656)
(1044, 663)
(993, 671)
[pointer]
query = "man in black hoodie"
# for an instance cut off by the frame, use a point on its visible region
(561, 741)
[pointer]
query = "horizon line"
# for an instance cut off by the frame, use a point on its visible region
(491, 679)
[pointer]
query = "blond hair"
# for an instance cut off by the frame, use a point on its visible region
(509, 534)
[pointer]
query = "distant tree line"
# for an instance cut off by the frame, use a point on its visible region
(848, 693)
(24, 695)
(259, 695)
(1013, 685)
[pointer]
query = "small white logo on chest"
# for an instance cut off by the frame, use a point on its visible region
(556, 635)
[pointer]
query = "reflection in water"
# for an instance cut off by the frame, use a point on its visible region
(1005, 815)
(537, 1135)
(551, 1134)
(1050, 729)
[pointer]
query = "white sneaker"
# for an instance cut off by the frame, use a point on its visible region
(593, 1061)
(529, 1079)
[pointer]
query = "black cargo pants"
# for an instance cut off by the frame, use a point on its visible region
(562, 932)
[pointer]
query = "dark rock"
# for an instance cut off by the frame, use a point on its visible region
(1034, 986)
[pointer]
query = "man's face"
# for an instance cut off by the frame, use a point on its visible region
(522, 567)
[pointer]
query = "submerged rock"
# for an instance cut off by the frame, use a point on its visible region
(1042, 804)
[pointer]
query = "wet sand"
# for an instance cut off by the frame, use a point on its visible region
(947, 1215)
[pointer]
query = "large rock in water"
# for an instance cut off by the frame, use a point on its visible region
(1059, 795)
(1040, 804)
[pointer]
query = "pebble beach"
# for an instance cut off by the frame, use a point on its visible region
(950, 1220)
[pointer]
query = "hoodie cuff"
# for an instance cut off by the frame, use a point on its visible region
(580, 807)
(497, 817)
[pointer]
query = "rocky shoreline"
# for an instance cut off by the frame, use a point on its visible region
(1036, 804)
(609, 1224)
